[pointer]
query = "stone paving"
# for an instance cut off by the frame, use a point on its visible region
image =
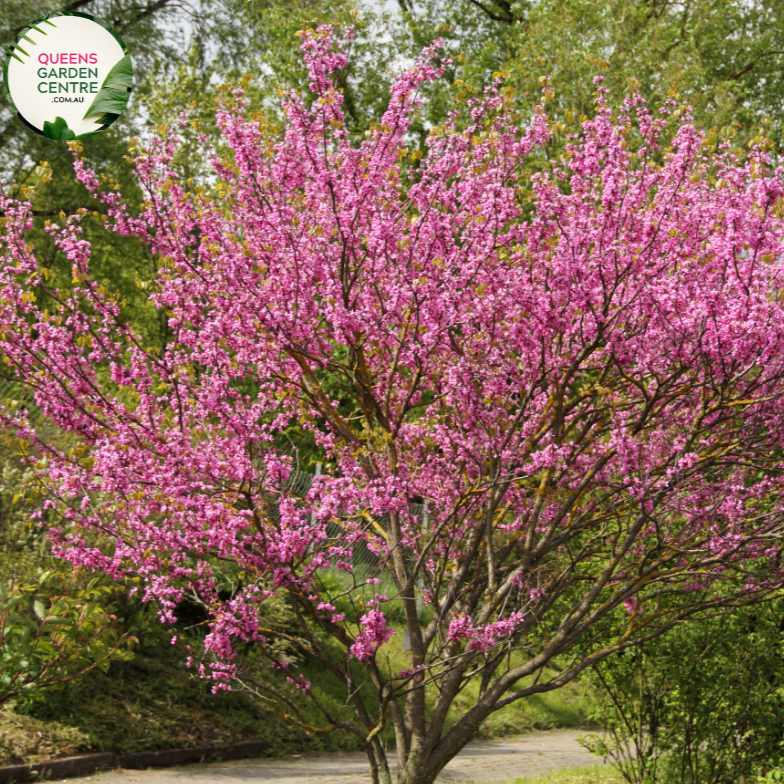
(481, 762)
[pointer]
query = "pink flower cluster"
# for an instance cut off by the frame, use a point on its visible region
(486, 637)
(374, 634)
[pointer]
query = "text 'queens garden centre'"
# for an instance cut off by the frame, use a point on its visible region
(70, 79)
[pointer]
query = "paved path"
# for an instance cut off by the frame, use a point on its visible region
(480, 762)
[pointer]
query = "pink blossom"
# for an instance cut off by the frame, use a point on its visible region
(372, 637)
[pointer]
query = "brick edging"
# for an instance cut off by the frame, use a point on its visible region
(90, 763)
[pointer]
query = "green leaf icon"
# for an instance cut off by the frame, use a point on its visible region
(121, 73)
(115, 91)
(58, 129)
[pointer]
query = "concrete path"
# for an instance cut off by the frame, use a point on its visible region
(481, 762)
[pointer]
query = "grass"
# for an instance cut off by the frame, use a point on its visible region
(565, 707)
(155, 702)
(24, 738)
(598, 774)
(151, 702)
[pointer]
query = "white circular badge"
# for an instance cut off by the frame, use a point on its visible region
(68, 75)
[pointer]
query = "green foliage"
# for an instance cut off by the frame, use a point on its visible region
(723, 57)
(260, 37)
(154, 702)
(703, 704)
(23, 552)
(48, 638)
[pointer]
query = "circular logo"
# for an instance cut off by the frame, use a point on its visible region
(68, 75)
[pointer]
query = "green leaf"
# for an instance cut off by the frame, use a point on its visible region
(22, 622)
(109, 101)
(58, 130)
(115, 91)
(89, 134)
(39, 609)
(121, 73)
(91, 609)
(11, 603)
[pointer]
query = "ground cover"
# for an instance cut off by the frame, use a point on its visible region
(604, 774)
(155, 702)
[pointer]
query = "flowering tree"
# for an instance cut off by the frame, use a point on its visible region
(580, 371)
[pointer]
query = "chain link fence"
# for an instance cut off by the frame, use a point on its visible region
(13, 391)
(363, 558)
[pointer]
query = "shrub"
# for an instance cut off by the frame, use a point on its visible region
(701, 705)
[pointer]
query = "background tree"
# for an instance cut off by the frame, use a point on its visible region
(723, 58)
(150, 29)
